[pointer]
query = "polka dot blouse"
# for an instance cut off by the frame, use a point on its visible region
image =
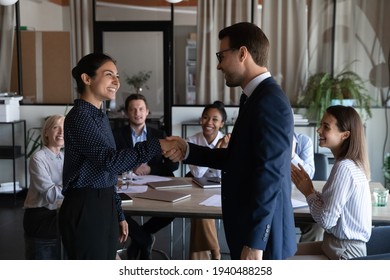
(91, 159)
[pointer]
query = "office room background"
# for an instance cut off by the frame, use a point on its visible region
(307, 37)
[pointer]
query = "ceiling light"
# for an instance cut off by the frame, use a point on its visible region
(7, 2)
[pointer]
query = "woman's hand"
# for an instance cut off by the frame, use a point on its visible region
(301, 180)
(123, 231)
(223, 142)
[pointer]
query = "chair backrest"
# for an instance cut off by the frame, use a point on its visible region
(379, 242)
(321, 164)
(378, 247)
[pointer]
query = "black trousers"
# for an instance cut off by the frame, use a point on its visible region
(41, 237)
(88, 223)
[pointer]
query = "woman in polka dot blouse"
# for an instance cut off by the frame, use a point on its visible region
(91, 217)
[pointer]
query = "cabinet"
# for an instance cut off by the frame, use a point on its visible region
(46, 67)
(13, 148)
(190, 74)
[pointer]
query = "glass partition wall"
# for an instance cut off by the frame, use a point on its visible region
(306, 37)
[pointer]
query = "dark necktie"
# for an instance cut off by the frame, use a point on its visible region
(243, 99)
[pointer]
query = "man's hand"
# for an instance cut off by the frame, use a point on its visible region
(174, 148)
(251, 254)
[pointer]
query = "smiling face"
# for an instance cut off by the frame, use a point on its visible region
(55, 135)
(137, 112)
(230, 64)
(330, 135)
(211, 121)
(104, 85)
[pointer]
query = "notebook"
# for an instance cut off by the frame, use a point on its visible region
(168, 196)
(207, 182)
(174, 183)
(125, 198)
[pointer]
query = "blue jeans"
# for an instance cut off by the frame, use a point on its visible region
(42, 249)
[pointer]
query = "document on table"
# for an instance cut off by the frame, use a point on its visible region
(143, 180)
(298, 203)
(128, 188)
(214, 200)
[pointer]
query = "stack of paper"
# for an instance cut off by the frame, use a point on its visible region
(299, 119)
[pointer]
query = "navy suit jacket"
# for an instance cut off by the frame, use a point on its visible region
(159, 165)
(256, 182)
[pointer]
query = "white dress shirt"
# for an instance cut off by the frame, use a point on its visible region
(45, 168)
(201, 171)
(344, 206)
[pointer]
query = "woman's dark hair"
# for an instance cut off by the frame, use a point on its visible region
(88, 65)
(219, 106)
(353, 148)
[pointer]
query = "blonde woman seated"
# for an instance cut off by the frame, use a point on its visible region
(343, 208)
(204, 239)
(40, 217)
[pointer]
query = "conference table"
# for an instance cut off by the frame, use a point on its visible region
(191, 208)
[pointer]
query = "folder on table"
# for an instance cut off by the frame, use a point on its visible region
(174, 183)
(207, 182)
(168, 196)
(125, 198)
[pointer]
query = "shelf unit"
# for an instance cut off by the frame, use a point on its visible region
(15, 151)
(191, 74)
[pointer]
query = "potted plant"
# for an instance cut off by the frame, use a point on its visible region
(137, 81)
(34, 141)
(323, 90)
(386, 170)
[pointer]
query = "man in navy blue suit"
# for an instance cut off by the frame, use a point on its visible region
(256, 184)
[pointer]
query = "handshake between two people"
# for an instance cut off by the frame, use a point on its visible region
(174, 148)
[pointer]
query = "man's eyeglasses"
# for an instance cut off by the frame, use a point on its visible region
(218, 54)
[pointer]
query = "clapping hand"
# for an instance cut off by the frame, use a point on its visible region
(223, 142)
(174, 148)
(301, 180)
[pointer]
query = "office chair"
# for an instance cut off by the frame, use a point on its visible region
(321, 167)
(378, 247)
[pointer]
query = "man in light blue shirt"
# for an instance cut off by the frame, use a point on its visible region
(303, 153)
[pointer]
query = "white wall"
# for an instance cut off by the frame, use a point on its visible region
(44, 16)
